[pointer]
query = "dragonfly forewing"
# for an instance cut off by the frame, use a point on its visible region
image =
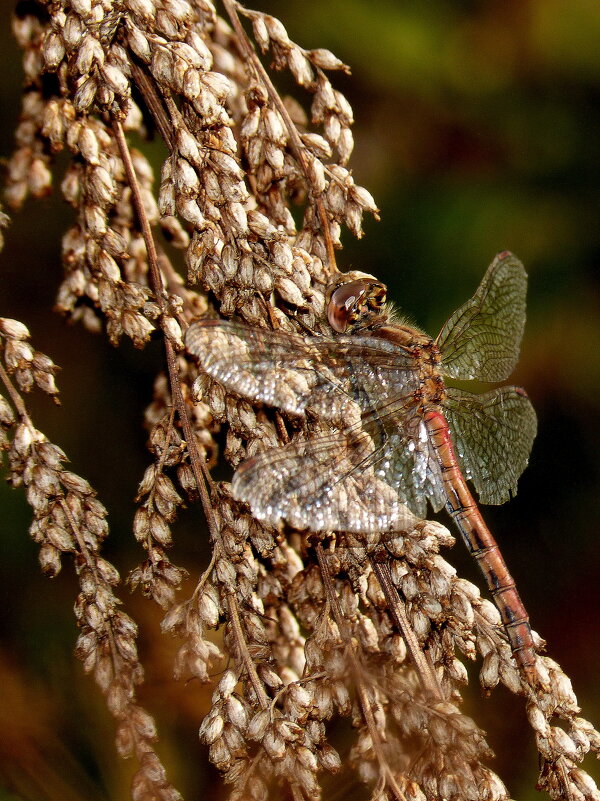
(334, 379)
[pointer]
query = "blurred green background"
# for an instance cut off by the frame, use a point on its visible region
(477, 129)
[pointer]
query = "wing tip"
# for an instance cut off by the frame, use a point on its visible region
(191, 335)
(507, 256)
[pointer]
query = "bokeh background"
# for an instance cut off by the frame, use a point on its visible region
(477, 129)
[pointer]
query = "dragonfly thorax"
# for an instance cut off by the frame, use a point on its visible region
(410, 340)
(426, 354)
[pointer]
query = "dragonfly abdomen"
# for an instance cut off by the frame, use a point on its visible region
(482, 545)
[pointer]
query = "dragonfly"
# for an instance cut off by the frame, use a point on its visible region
(393, 436)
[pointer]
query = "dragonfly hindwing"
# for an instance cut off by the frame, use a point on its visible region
(327, 482)
(492, 434)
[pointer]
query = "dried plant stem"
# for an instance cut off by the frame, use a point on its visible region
(15, 398)
(155, 276)
(91, 564)
(564, 777)
(202, 479)
(107, 641)
(147, 88)
(244, 653)
(201, 474)
(396, 609)
(248, 52)
(357, 672)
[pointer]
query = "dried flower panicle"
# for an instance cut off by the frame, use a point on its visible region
(158, 576)
(68, 519)
(29, 367)
(373, 629)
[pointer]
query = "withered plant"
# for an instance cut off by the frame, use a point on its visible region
(254, 193)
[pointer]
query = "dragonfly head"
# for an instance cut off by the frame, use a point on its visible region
(355, 304)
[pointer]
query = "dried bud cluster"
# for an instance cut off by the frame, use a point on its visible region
(29, 366)
(329, 106)
(69, 519)
(311, 630)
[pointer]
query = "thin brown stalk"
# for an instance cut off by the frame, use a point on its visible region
(248, 52)
(201, 475)
(357, 672)
(397, 611)
(15, 397)
(153, 101)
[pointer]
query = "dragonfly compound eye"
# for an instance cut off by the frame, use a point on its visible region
(352, 304)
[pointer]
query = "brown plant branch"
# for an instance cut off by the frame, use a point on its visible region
(298, 148)
(201, 475)
(397, 611)
(357, 672)
(64, 506)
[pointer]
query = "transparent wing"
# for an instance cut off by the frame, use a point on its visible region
(492, 434)
(327, 375)
(482, 339)
(370, 477)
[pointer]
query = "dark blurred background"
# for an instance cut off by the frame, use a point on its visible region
(477, 129)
